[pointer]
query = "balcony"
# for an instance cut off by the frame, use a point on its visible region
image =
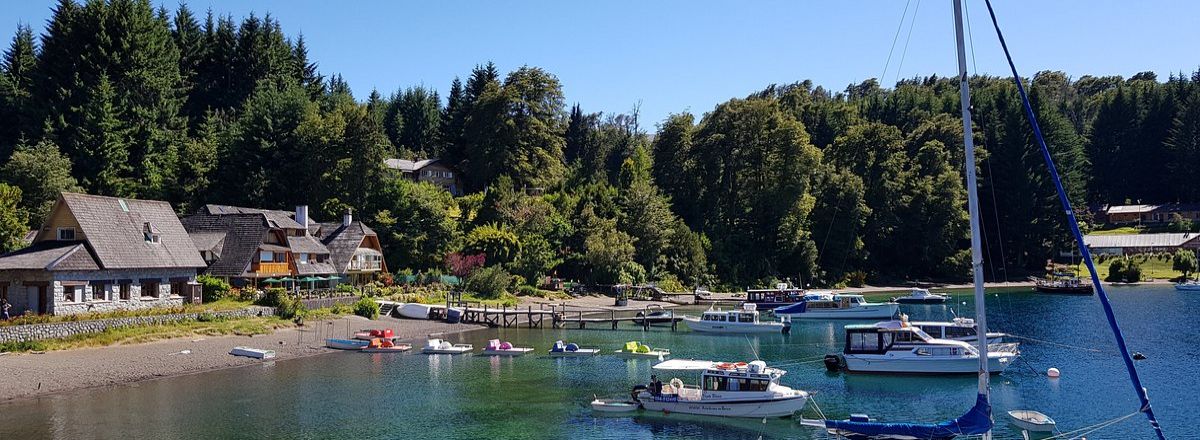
(365, 265)
(270, 268)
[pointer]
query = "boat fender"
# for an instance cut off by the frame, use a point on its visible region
(1053, 372)
(676, 385)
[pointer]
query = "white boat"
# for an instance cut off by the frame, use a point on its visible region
(614, 405)
(897, 347)
(960, 329)
(438, 346)
(728, 389)
(1031, 420)
(745, 320)
(920, 296)
(837, 306)
(418, 311)
(571, 350)
(634, 350)
(497, 348)
(345, 344)
(256, 353)
(1189, 285)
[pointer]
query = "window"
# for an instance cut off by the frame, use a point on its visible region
(959, 332)
(863, 342)
(266, 257)
(124, 290)
(69, 294)
(716, 383)
(99, 292)
(66, 233)
(150, 288)
(177, 288)
(150, 232)
(303, 258)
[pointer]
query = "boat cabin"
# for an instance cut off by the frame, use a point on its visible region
(725, 376)
(839, 301)
(881, 337)
(781, 294)
(948, 330)
(742, 316)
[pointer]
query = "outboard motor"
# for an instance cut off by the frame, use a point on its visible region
(835, 363)
(637, 389)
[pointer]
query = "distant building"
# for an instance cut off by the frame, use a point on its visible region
(428, 170)
(1127, 244)
(96, 253)
(1150, 214)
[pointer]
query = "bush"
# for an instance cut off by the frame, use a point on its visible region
(345, 288)
(286, 306)
(671, 284)
(857, 278)
(1124, 270)
(367, 308)
(527, 290)
(213, 288)
(489, 282)
(22, 346)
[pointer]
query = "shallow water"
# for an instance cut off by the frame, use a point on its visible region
(369, 396)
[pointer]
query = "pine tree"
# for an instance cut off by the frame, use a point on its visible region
(306, 72)
(16, 91)
(102, 144)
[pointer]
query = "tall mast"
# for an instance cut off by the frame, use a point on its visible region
(972, 205)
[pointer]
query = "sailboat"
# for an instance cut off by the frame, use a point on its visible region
(978, 420)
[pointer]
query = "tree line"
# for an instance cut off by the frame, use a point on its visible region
(793, 181)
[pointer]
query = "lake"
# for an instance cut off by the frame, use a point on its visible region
(378, 396)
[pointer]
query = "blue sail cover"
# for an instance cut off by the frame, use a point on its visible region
(975, 422)
(799, 307)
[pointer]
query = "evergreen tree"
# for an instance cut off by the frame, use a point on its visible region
(13, 220)
(41, 172)
(16, 88)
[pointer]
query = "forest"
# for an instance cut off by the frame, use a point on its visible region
(794, 181)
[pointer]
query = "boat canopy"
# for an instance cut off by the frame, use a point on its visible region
(684, 365)
(975, 422)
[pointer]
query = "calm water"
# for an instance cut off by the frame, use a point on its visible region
(354, 395)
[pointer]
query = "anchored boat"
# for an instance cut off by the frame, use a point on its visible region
(920, 296)
(634, 350)
(438, 346)
(381, 345)
(726, 389)
(837, 306)
(960, 329)
(783, 294)
(497, 348)
(900, 348)
(1031, 420)
(571, 350)
(345, 344)
(735, 321)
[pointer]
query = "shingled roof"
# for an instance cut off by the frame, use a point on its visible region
(115, 232)
(51, 255)
(343, 241)
(243, 233)
(278, 219)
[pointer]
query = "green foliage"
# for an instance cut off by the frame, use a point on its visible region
(1184, 261)
(22, 346)
(490, 282)
(671, 284)
(212, 288)
(1124, 270)
(286, 306)
(367, 308)
(42, 172)
(496, 241)
(1179, 224)
(13, 219)
(416, 224)
(345, 288)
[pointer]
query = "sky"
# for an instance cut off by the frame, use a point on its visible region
(670, 56)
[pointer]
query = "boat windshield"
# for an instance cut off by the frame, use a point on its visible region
(722, 383)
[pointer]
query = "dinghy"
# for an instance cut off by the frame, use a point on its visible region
(256, 353)
(634, 350)
(571, 350)
(497, 348)
(438, 346)
(345, 344)
(418, 311)
(614, 405)
(1031, 420)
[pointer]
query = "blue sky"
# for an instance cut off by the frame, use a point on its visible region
(674, 56)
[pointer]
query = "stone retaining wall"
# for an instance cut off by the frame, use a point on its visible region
(54, 330)
(319, 303)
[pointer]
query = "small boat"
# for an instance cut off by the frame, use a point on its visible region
(1188, 286)
(1069, 285)
(368, 335)
(379, 345)
(634, 350)
(438, 346)
(497, 348)
(726, 389)
(920, 296)
(1031, 420)
(783, 294)
(418, 311)
(960, 329)
(256, 353)
(614, 405)
(897, 347)
(655, 317)
(735, 321)
(571, 350)
(837, 306)
(345, 344)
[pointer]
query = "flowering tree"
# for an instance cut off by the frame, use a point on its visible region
(462, 265)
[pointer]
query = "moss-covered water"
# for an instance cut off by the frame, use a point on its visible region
(353, 395)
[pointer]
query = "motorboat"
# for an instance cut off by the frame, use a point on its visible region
(496, 348)
(897, 347)
(783, 294)
(1188, 286)
(960, 329)
(256, 353)
(657, 315)
(1069, 285)
(614, 405)
(837, 306)
(920, 296)
(634, 350)
(346, 344)
(1032, 421)
(438, 346)
(383, 345)
(745, 320)
(726, 389)
(368, 335)
(419, 311)
(571, 350)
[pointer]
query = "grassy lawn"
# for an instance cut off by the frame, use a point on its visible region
(132, 335)
(217, 306)
(1153, 267)
(1124, 230)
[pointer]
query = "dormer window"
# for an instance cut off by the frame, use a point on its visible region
(66, 233)
(150, 232)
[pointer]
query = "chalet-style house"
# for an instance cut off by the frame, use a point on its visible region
(96, 253)
(428, 170)
(259, 247)
(1150, 214)
(354, 249)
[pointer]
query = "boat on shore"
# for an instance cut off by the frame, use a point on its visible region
(746, 320)
(418, 311)
(920, 296)
(496, 348)
(256, 353)
(380, 345)
(837, 306)
(560, 349)
(726, 389)
(635, 350)
(438, 346)
(346, 344)
(897, 347)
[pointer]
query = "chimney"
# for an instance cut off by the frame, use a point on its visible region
(302, 215)
(347, 218)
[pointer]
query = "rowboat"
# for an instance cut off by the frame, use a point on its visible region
(256, 353)
(345, 344)
(1031, 420)
(418, 311)
(614, 405)
(368, 335)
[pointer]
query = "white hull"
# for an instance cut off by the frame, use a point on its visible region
(452, 350)
(417, 311)
(256, 353)
(873, 311)
(997, 363)
(1188, 287)
(613, 406)
(732, 327)
(779, 407)
(583, 352)
(1031, 421)
(510, 352)
(660, 355)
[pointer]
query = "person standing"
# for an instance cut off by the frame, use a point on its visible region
(4, 307)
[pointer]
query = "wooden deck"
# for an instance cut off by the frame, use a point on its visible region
(562, 316)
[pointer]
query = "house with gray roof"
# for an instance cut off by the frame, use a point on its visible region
(435, 171)
(354, 249)
(249, 246)
(97, 253)
(1128, 244)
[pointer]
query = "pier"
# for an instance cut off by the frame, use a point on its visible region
(565, 316)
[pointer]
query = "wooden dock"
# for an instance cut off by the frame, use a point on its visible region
(564, 316)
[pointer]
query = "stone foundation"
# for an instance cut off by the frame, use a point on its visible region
(54, 330)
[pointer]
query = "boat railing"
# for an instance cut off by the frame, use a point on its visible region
(1004, 347)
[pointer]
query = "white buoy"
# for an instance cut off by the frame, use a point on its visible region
(1052, 372)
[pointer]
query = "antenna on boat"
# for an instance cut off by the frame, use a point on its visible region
(752, 350)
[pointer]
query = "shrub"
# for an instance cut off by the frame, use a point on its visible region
(367, 308)
(22, 346)
(213, 288)
(345, 288)
(671, 284)
(286, 306)
(489, 282)
(527, 290)
(856, 278)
